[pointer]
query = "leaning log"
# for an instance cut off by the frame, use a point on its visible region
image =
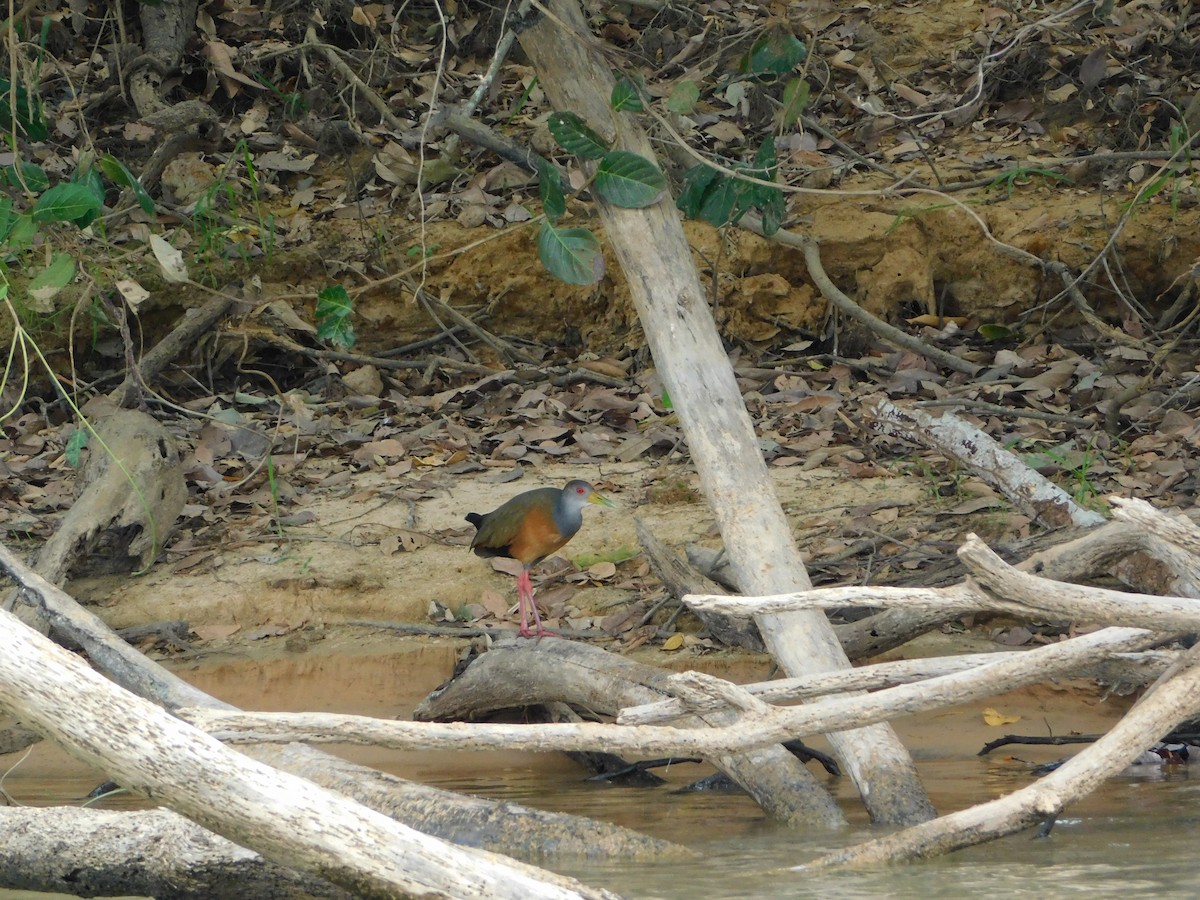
(1175, 699)
(673, 308)
(504, 828)
(288, 820)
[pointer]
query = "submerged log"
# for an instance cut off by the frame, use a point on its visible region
(509, 828)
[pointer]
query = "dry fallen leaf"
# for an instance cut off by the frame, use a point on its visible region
(602, 570)
(994, 718)
(674, 642)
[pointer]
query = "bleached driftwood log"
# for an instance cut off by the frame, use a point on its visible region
(89, 851)
(1175, 699)
(1009, 591)
(1140, 668)
(521, 673)
(1041, 499)
(131, 491)
(762, 727)
(505, 828)
(673, 308)
(287, 819)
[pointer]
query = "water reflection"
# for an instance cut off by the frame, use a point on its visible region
(1135, 836)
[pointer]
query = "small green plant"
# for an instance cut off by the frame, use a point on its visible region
(223, 201)
(910, 213)
(334, 308)
(618, 556)
(273, 486)
(1180, 146)
(721, 198)
(523, 99)
(1078, 467)
(293, 104)
(1022, 175)
(941, 485)
(73, 452)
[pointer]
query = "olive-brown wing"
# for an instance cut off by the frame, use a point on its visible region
(519, 527)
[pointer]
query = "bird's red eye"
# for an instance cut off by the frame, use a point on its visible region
(580, 490)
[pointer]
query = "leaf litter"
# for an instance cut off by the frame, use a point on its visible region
(1095, 416)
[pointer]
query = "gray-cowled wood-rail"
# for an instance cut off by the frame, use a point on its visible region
(530, 527)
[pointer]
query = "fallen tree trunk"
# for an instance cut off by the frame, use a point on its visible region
(762, 725)
(674, 312)
(130, 493)
(1041, 499)
(155, 853)
(504, 828)
(1009, 591)
(680, 579)
(287, 819)
(1175, 699)
(523, 673)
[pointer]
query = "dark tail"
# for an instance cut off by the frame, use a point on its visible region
(475, 519)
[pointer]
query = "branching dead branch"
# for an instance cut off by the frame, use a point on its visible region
(1039, 498)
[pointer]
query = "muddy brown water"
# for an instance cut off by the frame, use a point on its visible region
(1134, 837)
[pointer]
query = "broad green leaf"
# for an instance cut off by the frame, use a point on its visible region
(717, 205)
(75, 444)
(628, 180)
(773, 210)
(990, 331)
(8, 217)
(35, 177)
(570, 254)
(24, 229)
(29, 117)
(334, 307)
(89, 178)
(764, 159)
(48, 282)
(776, 52)
(120, 175)
(696, 181)
(554, 203)
(683, 97)
(708, 195)
(574, 136)
(625, 96)
(67, 202)
(795, 99)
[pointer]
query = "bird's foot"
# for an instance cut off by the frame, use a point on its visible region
(538, 632)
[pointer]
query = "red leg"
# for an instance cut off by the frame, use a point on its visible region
(524, 588)
(525, 596)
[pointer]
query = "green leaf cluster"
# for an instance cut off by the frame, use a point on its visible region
(622, 178)
(720, 199)
(775, 52)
